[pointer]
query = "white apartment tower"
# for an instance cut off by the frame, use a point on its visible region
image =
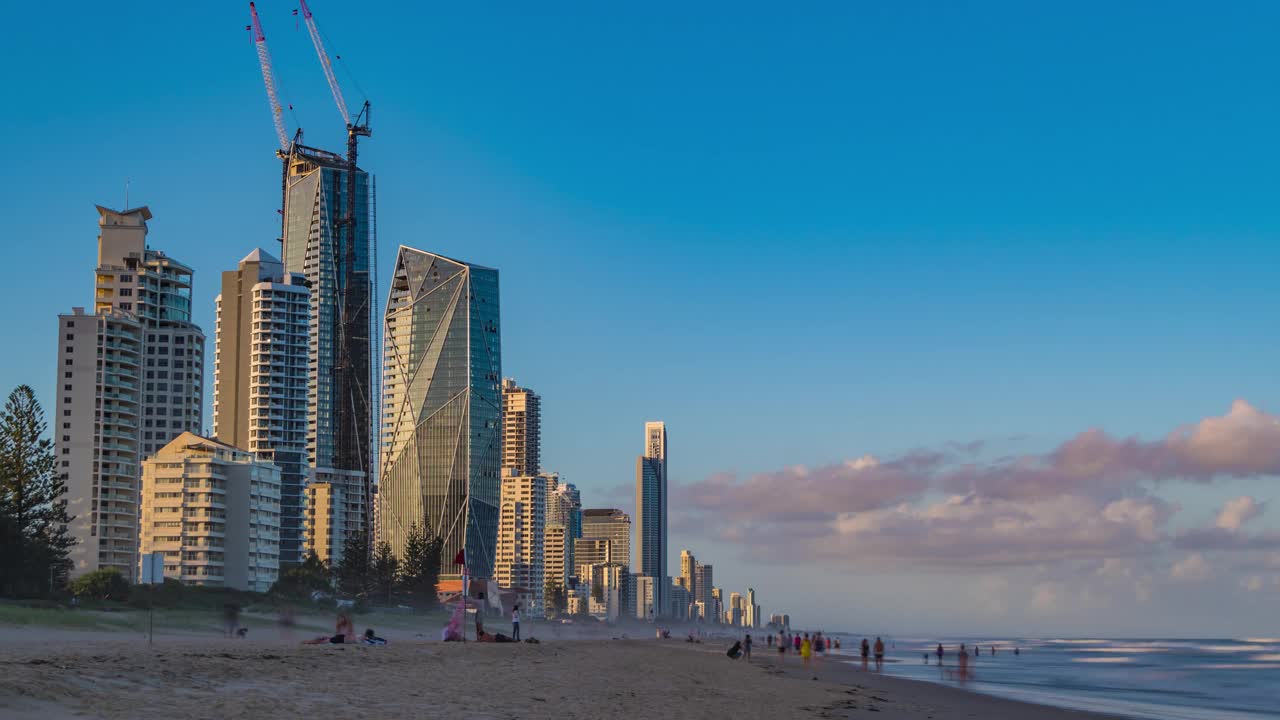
(521, 428)
(131, 377)
(213, 511)
(521, 535)
(260, 377)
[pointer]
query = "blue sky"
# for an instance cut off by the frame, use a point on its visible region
(798, 238)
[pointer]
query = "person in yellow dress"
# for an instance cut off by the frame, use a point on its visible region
(806, 648)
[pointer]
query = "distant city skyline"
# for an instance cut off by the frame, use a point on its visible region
(938, 303)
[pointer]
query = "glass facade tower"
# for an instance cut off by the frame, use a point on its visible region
(319, 246)
(442, 408)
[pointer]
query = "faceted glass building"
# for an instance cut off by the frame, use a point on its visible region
(442, 408)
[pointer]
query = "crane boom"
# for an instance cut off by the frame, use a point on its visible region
(268, 78)
(325, 63)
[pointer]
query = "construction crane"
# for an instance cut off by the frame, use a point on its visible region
(355, 298)
(268, 78)
(325, 63)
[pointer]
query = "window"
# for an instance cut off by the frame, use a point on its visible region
(66, 374)
(66, 451)
(71, 323)
(70, 348)
(71, 336)
(66, 426)
(66, 438)
(66, 413)
(66, 463)
(66, 400)
(66, 388)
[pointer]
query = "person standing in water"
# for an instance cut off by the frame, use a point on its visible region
(879, 654)
(941, 652)
(806, 649)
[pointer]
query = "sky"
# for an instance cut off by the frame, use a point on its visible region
(948, 307)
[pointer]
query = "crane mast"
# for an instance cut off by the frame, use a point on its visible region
(268, 78)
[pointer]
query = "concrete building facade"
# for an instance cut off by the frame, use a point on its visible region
(260, 377)
(131, 380)
(521, 558)
(521, 429)
(334, 509)
(213, 511)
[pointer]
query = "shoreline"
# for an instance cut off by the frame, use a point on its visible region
(65, 674)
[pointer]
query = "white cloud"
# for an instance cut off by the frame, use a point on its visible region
(1192, 568)
(1235, 513)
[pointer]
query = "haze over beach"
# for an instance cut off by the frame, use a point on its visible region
(944, 323)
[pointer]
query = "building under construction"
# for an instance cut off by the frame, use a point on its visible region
(332, 251)
(328, 238)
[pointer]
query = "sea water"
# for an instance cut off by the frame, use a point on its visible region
(1229, 679)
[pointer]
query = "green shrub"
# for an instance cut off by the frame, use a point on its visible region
(105, 584)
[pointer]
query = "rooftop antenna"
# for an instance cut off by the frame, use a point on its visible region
(126, 193)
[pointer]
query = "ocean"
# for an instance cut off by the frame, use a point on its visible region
(1236, 679)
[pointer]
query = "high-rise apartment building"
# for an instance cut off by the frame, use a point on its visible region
(557, 557)
(521, 429)
(260, 378)
(332, 251)
(520, 557)
(651, 505)
(751, 610)
(98, 415)
(333, 510)
(213, 511)
(442, 407)
(734, 614)
(130, 376)
(609, 524)
(564, 511)
(704, 582)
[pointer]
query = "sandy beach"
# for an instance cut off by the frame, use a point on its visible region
(66, 674)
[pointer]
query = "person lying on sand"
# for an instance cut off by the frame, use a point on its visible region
(371, 638)
(735, 651)
(345, 632)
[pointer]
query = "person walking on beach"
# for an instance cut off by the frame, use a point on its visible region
(515, 623)
(964, 663)
(769, 639)
(866, 652)
(940, 653)
(795, 641)
(747, 646)
(879, 654)
(806, 649)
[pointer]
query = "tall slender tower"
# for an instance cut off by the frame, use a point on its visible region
(651, 508)
(442, 408)
(521, 429)
(332, 252)
(260, 378)
(131, 376)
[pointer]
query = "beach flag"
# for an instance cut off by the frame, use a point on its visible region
(461, 557)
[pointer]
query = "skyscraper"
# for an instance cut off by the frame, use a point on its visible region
(521, 428)
(260, 378)
(651, 506)
(521, 549)
(442, 407)
(130, 376)
(331, 250)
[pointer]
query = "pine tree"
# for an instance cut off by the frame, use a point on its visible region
(420, 570)
(353, 571)
(385, 571)
(37, 541)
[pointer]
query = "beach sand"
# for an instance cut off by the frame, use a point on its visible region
(66, 674)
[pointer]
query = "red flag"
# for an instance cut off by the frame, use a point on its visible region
(461, 557)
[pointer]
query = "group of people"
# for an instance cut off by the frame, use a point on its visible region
(962, 654)
(345, 633)
(802, 644)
